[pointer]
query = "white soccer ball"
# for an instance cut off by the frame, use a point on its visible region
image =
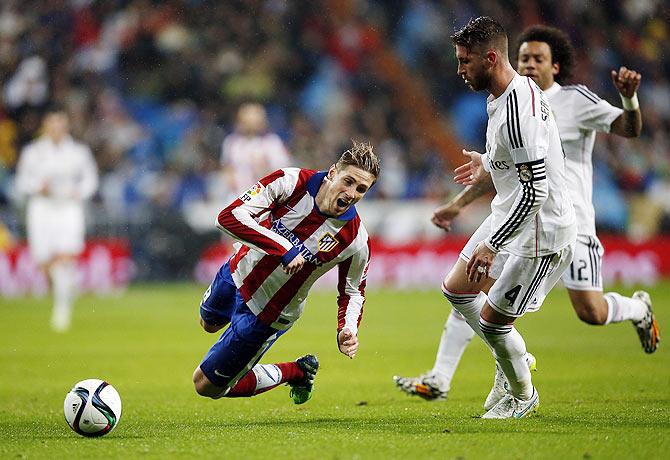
(92, 407)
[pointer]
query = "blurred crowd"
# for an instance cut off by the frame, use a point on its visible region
(159, 90)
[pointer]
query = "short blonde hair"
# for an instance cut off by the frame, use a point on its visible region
(361, 156)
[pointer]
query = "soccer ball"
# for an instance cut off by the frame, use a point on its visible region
(92, 407)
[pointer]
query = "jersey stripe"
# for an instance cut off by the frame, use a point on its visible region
(532, 94)
(535, 283)
(516, 116)
(283, 296)
(523, 208)
(342, 298)
(593, 98)
(269, 263)
(513, 125)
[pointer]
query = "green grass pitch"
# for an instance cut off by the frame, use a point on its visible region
(601, 396)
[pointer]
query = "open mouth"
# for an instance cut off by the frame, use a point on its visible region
(342, 203)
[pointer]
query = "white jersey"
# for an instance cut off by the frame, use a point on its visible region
(67, 171)
(251, 157)
(56, 178)
(532, 214)
(579, 114)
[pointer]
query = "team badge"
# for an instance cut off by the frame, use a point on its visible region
(254, 190)
(525, 173)
(327, 242)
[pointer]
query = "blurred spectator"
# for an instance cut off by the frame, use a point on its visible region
(251, 151)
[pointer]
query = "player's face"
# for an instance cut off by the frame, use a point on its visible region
(56, 126)
(472, 68)
(535, 62)
(345, 188)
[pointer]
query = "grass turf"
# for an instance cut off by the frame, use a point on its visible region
(601, 396)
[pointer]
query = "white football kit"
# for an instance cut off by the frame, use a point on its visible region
(55, 220)
(532, 222)
(579, 115)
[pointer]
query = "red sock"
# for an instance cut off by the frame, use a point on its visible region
(246, 386)
(249, 385)
(290, 372)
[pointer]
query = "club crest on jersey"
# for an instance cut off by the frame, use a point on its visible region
(254, 190)
(327, 242)
(525, 173)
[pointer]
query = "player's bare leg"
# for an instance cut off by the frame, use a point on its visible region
(594, 307)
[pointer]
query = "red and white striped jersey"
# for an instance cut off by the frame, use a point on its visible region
(276, 219)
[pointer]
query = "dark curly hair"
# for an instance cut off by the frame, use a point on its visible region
(562, 51)
(481, 31)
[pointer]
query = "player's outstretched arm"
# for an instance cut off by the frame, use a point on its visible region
(629, 123)
(444, 214)
(347, 342)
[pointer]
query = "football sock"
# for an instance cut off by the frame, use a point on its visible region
(622, 308)
(63, 277)
(469, 305)
(504, 341)
(264, 377)
(510, 351)
(456, 336)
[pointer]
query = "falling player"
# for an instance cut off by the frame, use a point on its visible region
(292, 226)
(546, 56)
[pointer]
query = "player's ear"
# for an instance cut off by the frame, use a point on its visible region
(490, 58)
(331, 172)
(555, 68)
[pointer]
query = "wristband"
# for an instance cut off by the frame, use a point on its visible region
(630, 104)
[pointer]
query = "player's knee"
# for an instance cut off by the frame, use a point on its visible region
(211, 328)
(204, 387)
(590, 311)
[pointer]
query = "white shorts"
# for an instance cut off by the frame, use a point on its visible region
(584, 273)
(54, 229)
(525, 282)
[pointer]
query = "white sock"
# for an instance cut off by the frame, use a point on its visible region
(622, 308)
(267, 376)
(510, 351)
(455, 338)
(63, 277)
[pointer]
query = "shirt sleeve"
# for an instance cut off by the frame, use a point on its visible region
(352, 278)
(245, 218)
(591, 112)
(29, 179)
(527, 138)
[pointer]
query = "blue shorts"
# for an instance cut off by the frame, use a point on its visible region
(245, 340)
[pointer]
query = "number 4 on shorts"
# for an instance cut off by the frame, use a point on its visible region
(512, 294)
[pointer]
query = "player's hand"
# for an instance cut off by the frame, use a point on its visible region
(44, 190)
(471, 172)
(347, 342)
(627, 81)
(480, 263)
(295, 265)
(443, 215)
